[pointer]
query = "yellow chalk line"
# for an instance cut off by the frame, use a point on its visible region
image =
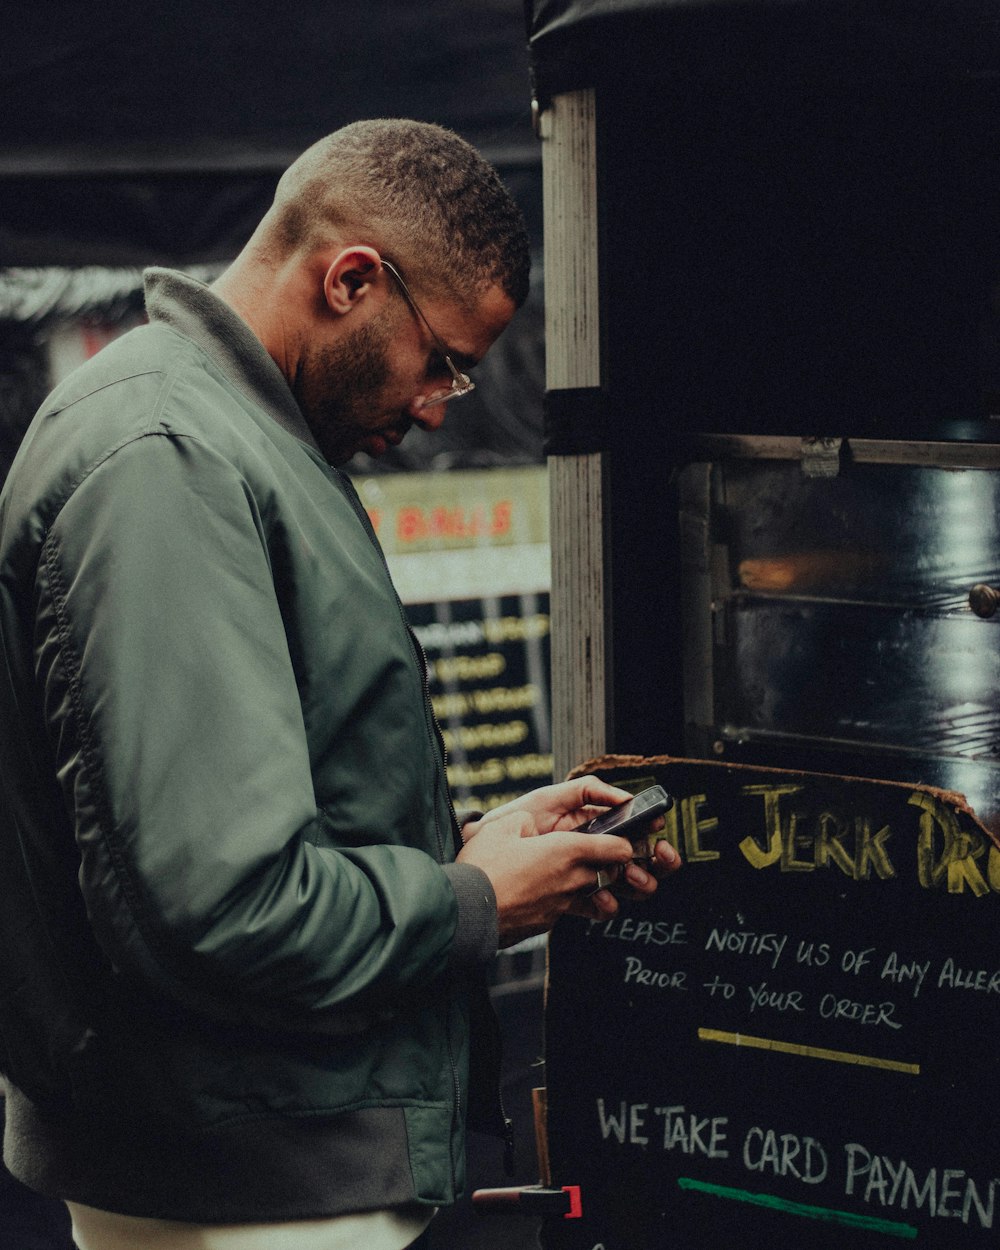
(810, 1052)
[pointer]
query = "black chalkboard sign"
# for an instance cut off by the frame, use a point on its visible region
(796, 1042)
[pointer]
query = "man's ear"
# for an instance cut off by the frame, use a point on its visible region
(348, 279)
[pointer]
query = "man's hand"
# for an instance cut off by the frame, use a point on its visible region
(538, 879)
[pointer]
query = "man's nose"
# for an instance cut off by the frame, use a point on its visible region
(428, 418)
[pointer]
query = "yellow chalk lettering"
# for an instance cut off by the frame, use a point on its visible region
(518, 767)
(792, 840)
(870, 852)
(694, 827)
(485, 736)
(516, 628)
(488, 773)
(829, 847)
(763, 856)
(468, 667)
(502, 699)
(956, 866)
(448, 705)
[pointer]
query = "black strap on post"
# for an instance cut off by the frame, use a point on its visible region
(575, 421)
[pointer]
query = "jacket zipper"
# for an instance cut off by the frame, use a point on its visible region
(436, 739)
(430, 720)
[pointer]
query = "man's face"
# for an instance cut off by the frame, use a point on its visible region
(361, 391)
(340, 387)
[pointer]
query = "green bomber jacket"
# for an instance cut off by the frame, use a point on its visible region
(238, 960)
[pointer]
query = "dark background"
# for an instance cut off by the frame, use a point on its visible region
(136, 135)
(798, 208)
(131, 134)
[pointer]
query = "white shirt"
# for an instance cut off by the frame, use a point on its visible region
(375, 1230)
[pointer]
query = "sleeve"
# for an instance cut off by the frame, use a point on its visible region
(176, 723)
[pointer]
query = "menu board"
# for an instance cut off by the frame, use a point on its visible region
(795, 1042)
(487, 673)
(469, 555)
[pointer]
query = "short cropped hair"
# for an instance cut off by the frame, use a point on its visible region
(417, 192)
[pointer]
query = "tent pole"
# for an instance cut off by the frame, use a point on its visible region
(576, 481)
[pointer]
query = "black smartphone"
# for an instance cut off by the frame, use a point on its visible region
(629, 819)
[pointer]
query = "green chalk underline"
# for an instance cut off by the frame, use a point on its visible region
(891, 1227)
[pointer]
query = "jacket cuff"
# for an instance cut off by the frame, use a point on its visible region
(477, 934)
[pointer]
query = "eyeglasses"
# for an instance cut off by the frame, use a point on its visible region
(461, 383)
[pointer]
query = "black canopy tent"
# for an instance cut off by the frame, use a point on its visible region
(621, 43)
(134, 135)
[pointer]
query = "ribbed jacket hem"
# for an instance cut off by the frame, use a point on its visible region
(259, 1169)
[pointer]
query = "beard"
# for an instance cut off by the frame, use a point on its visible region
(339, 389)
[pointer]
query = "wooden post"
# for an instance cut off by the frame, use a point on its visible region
(580, 692)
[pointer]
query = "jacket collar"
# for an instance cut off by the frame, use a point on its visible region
(194, 310)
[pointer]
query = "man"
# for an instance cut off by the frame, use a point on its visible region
(243, 934)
